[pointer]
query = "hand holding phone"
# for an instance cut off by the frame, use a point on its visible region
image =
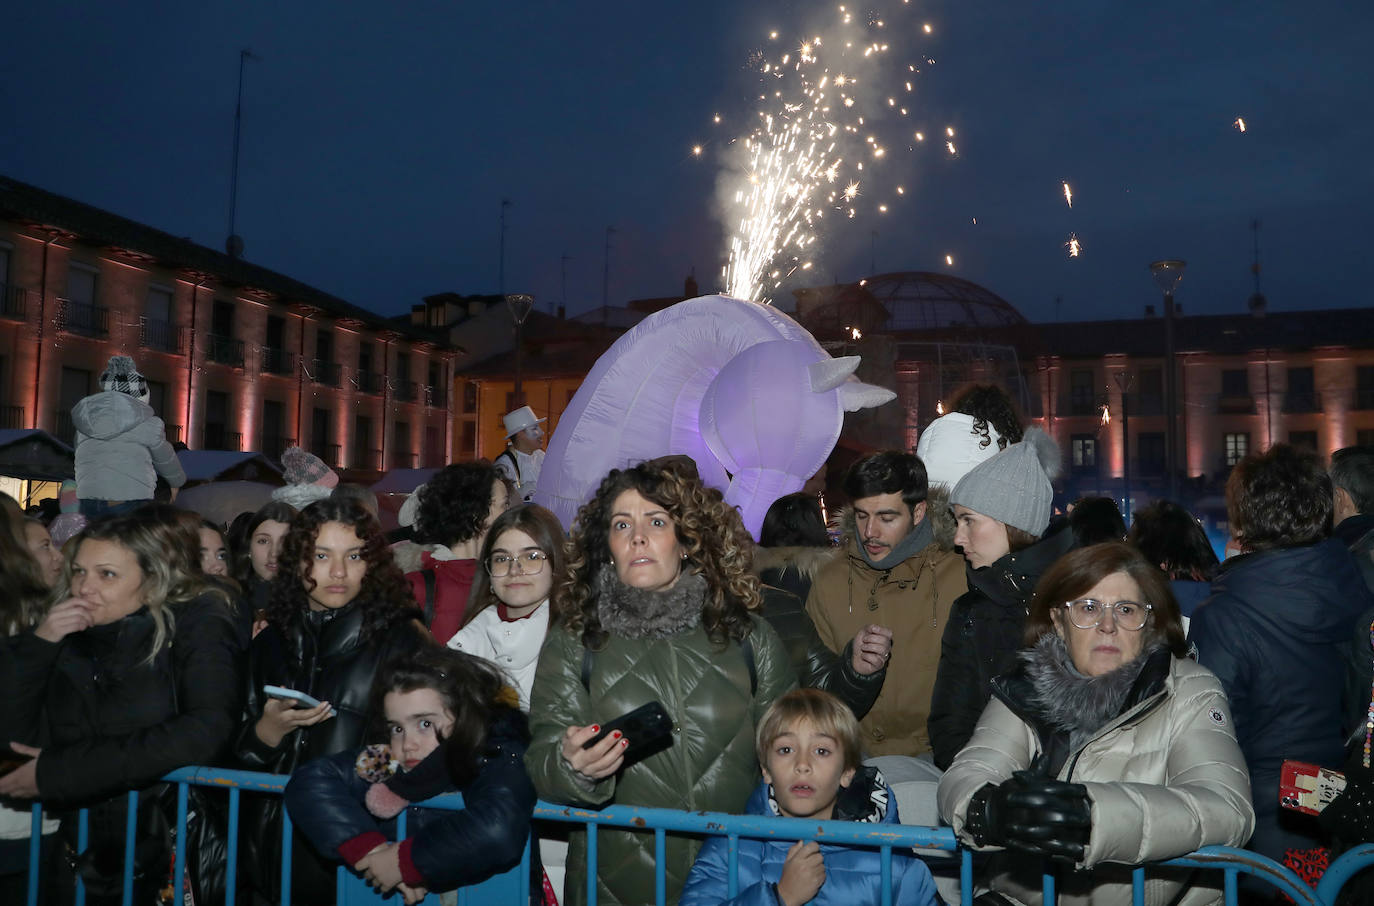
(300, 699)
(647, 729)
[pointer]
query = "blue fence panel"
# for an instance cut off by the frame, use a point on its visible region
(513, 888)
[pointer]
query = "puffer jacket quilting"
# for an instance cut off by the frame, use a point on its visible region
(121, 448)
(710, 766)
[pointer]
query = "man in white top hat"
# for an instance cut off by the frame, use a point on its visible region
(524, 452)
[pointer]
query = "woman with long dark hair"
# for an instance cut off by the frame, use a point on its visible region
(338, 609)
(656, 608)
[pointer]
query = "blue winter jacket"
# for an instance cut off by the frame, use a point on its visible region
(1276, 632)
(852, 875)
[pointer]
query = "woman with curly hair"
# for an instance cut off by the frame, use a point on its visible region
(338, 609)
(456, 508)
(655, 608)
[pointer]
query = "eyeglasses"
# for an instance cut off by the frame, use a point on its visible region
(531, 563)
(1085, 613)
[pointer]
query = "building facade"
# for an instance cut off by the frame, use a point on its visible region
(237, 357)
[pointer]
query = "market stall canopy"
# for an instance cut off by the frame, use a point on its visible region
(228, 465)
(35, 455)
(221, 501)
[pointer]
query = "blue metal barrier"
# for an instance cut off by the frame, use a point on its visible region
(512, 888)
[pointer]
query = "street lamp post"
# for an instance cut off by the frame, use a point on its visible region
(520, 305)
(1167, 273)
(1124, 380)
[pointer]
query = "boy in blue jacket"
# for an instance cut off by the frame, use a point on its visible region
(808, 745)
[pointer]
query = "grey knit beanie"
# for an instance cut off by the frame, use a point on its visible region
(1014, 486)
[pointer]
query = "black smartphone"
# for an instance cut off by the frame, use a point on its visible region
(10, 759)
(648, 729)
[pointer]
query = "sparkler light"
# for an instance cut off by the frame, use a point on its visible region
(809, 137)
(1240, 123)
(1068, 195)
(1073, 245)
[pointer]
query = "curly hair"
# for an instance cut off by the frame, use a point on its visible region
(472, 690)
(544, 530)
(709, 530)
(989, 404)
(454, 503)
(240, 538)
(385, 594)
(1279, 498)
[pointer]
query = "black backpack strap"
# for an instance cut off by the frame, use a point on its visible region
(746, 645)
(587, 659)
(430, 582)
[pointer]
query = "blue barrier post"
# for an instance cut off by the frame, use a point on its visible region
(83, 840)
(130, 841)
(179, 859)
(35, 846)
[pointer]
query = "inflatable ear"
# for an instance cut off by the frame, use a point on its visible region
(856, 395)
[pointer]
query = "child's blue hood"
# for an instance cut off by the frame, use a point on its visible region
(867, 798)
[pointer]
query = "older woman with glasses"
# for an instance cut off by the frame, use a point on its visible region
(1105, 747)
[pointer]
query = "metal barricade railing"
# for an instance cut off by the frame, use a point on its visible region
(885, 838)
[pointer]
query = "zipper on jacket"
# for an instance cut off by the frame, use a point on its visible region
(1140, 714)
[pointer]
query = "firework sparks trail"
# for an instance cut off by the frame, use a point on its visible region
(811, 140)
(1240, 123)
(1073, 245)
(1068, 194)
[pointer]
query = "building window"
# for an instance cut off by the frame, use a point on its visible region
(1150, 452)
(1083, 448)
(81, 284)
(364, 455)
(469, 396)
(467, 444)
(1304, 439)
(1364, 387)
(1237, 447)
(274, 442)
(1081, 395)
(401, 455)
(1150, 399)
(217, 433)
(76, 383)
(1301, 395)
(321, 437)
(1235, 382)
(434, 448)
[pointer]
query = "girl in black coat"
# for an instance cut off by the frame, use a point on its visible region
(452, 723)
(133, 673)
(338, 609)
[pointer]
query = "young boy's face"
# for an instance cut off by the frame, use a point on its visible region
(806, 768)
(416, 721)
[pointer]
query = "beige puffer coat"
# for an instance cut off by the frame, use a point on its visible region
(1165, 778)
(710, 766)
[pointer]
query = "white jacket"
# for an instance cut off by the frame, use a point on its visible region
(511, 645)
(1165, 778)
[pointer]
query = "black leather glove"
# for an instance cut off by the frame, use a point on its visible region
(1033, 813)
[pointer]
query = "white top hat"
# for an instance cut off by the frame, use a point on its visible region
(519, 420)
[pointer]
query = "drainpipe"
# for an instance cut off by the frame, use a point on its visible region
(386, 394)
(191, 363)
(42, 305)
(300, 387)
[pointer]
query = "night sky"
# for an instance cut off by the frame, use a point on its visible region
(379, 140)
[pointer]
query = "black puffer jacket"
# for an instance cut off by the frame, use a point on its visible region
(986, 628)
(817, 666)
(325, 658)
(449, 849)
(1276, 632)
(109, 721)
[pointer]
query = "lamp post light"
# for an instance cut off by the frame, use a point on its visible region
(520, 305)
(1167, 273)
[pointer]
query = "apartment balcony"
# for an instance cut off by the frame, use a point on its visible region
(224, 350)
(1302, 401)
(278, 361)
(218, 437)
(13, 302)
(404, 391)
(327, 452)
(370, 382)
(367, 459)
(404, 459)
(12, 417)
(437, 395)
(327, 373)
(1236, 405)
(161, 336)
(83, 319)
(274, 447)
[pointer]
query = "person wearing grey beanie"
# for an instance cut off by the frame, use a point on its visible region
(1002, 509)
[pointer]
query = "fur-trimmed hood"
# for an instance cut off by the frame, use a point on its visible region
(937, 511)
(409, 556)
(805, 560)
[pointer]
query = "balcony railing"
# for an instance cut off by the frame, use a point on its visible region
(163, 336)
(403, 459)
(404, 391)
(274, 447)
(1083, 404)
(173, 434)
(13, 302)
(83, 319)
(218, 437)
(62, 427)
(12, 417)
(370, 382)
(327, 452)
(328, 373)
(437, 395)
(1147, 404)
(278, 361)
(1236, 405)
(367, 459)
(1302, 401)
(224, 350)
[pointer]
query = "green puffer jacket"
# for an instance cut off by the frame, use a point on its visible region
(710, 766)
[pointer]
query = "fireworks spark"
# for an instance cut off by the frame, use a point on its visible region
(1240, 123)
(809, 139)
(1073, 245)
(949, 260)
(1068, 195)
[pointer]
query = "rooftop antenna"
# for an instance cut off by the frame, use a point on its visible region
(233, 245)
(501, 274)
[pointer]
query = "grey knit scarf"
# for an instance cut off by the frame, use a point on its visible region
(914, 542)
(1068, 699)
(634, 613)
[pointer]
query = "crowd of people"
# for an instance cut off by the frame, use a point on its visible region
(1066, 692)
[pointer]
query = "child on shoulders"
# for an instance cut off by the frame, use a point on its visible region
(808, 745)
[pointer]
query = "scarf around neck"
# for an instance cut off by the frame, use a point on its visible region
(1070, 701)
(916, 540)
(636, 613)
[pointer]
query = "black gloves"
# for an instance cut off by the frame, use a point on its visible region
(1033, 813)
